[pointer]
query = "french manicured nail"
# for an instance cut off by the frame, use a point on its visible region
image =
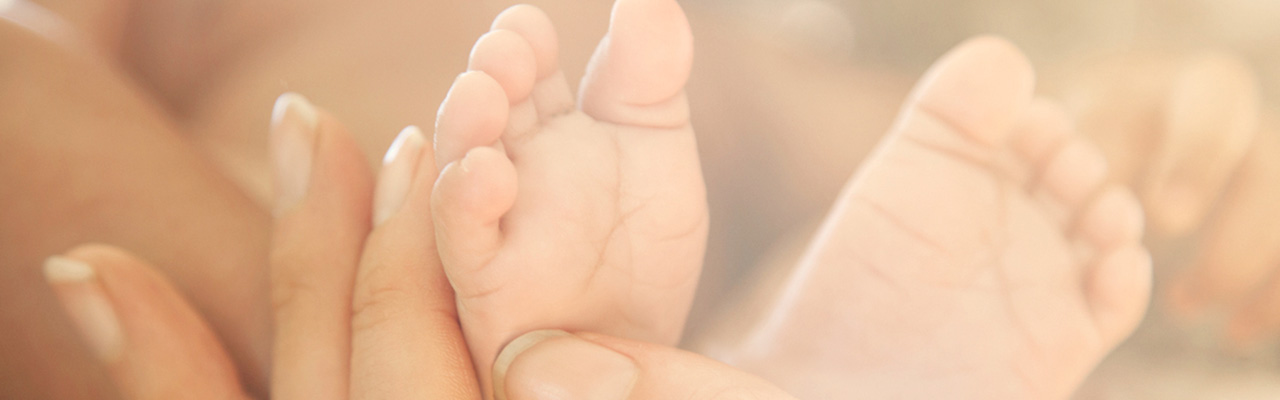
(554, 361)
(399, 167)
(293, 139)
(85, 300)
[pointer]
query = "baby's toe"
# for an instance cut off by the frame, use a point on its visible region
(551, 94)
(637, 75)
(474, 114)
(509, 59)
(1117, 289)
(980, 89)
(468, 203)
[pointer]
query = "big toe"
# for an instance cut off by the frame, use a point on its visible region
(979, 88)
(638, 72)
(1210, 119)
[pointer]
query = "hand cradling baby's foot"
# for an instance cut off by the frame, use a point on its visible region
(577, 217)
(978, 254)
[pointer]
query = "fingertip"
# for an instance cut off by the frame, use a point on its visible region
(553, 361)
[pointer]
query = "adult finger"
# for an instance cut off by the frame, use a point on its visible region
(153, 343)
(563, 366)
(323, 189)
(406, 341)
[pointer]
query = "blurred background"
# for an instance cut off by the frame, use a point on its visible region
(788, 98)
(1168, 358)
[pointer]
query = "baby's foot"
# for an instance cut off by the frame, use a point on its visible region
(977, 255)
(588, 217)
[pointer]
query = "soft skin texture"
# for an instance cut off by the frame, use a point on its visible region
(358, 314)
(164, 348)
(978, 250)
(556, 365)
(793, 141)
(167, 351)
(588, 217)
(86, 157)
(404, 337)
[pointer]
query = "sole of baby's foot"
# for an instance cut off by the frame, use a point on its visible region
(576, 215)
(976, 255)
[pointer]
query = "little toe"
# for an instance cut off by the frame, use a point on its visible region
(507, 58)
(638, 73)
(468, 203)
(1118, 288)
(473, 114)
(980, 89)
(550, 92)
(1113, 220)
(1210, 119)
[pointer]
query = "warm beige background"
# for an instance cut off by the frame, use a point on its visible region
(1165, 359)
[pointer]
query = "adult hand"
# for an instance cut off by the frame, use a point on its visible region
(87, 157)
(157, 347)
(559, 365)
(359, 313)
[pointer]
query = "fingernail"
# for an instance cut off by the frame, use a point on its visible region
(553, 361)
(85, 300)
(293, 138)
(399, 167)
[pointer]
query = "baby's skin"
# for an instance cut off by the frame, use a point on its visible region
(978, 254)
(589, 216)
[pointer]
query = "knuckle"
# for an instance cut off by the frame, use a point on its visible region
(288, 295)
(376, 304)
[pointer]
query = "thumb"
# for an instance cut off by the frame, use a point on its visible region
(153, 344)
(553, 364)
